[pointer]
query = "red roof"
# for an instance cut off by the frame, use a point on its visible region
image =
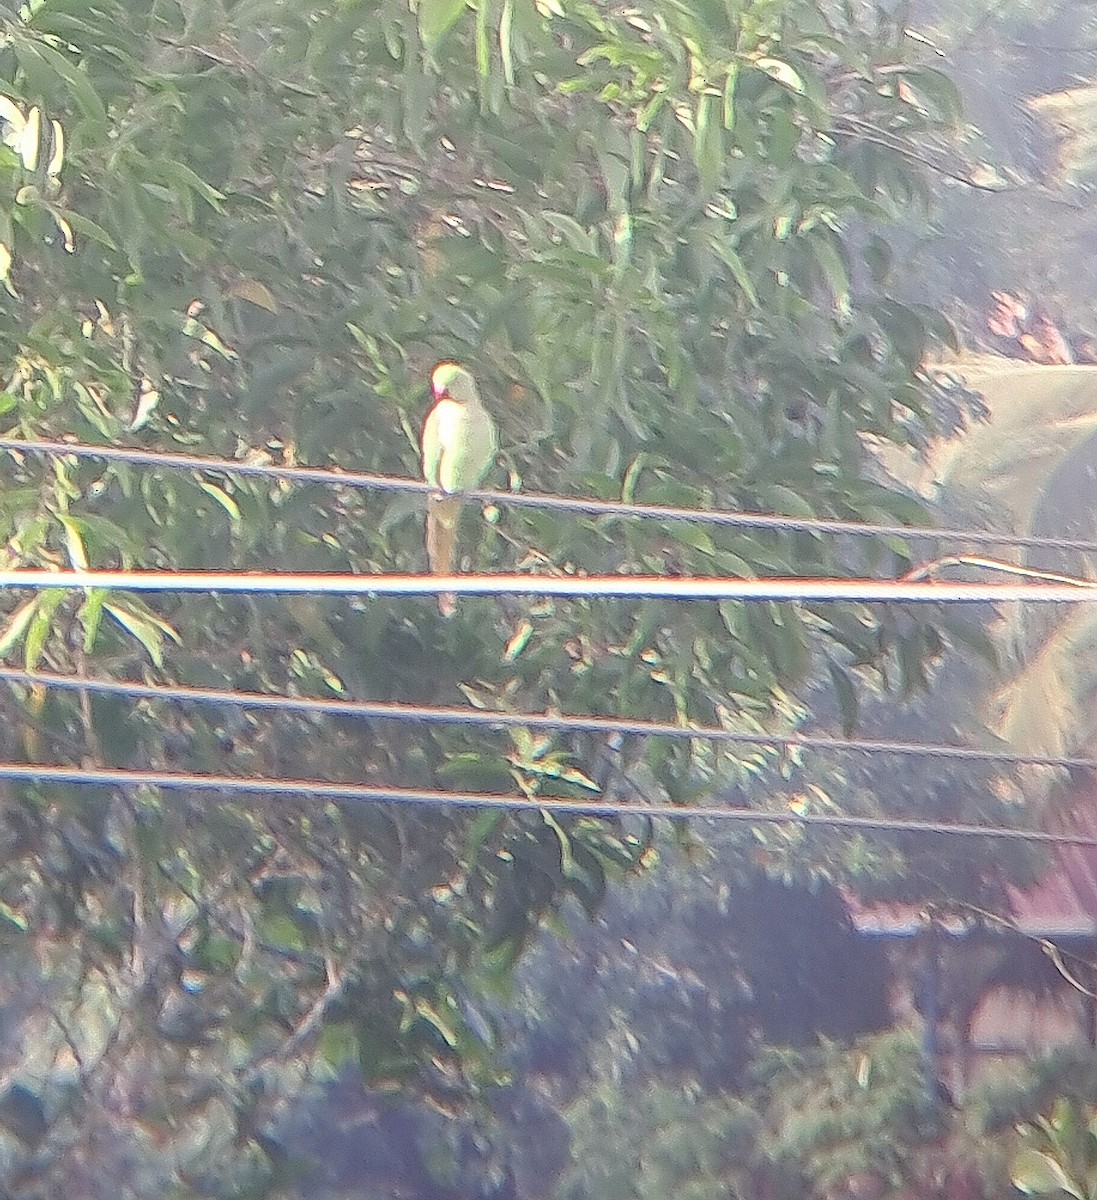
(1063, 902)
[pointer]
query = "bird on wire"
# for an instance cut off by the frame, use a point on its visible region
(459, 443)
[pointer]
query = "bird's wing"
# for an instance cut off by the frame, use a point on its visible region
(469, 453)
(431, 447)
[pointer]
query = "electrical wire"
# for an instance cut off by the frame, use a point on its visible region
(869, 591)
(377, 794)
(619, 587)
(377, 710)
(324, 476)
(331, 477)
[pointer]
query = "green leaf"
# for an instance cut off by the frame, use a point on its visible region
(223, 498)
(506, 48)
(78, 555)
(338, 1044)
(783, 72)
(41, 627)
(590, 887)
(694, 536)
(787, 502)
(17, 625)
(82, 225)
(832, 264)
(579, 238)
(42, 62)
(936, 89)
(150, 631)
(11, 920)
(483, 48)
(483, 825)
(437, 18)
(1036, 1173)
(846, 695)
(177, 174)
(476, 771)
(91, 616)
(708, 142)
(738, 269)
(282, 930)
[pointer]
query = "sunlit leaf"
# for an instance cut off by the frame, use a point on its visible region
(41, 626)
(91, 615)
(148, 630)
(29, 139)
(1036, 1173)
(74, 541)
(781, 71)
(12, 116)
(223, 498)
(255, 293)
(57, 153)
(147, 401)
(16, 625)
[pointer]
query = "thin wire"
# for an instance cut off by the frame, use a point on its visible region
(927, 570)
(325, 476)
(869, 591)
(330, 477)
(443, 715)
(369, 794)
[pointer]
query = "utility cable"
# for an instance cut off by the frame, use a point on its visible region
(376, 794)
(331, 477)
(868, 591)
(377, 710)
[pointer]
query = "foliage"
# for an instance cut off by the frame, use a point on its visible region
(249, 228)
(1069, 1072)
(968, 878)
(1051, 1109)
(824, 1123)
(842, 1121)
(841, 1114)
(687, 976)
(1030, 465)
(1059, 1155)
(1025, 70)
(666, 1143)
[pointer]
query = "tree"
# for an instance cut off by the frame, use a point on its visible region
(687, 978)
(248, 228)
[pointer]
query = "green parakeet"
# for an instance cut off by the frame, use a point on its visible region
(458, 444)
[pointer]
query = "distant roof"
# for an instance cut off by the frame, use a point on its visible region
(1063, 903)
(1065, 900)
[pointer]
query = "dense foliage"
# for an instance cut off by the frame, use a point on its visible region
(842, 1123)
(248, 228)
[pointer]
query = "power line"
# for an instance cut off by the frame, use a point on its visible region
(621, 587)
(449, 715)
(377, 794)
(324, 476)
(331, 477)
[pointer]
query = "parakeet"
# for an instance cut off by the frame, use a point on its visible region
(459, 443)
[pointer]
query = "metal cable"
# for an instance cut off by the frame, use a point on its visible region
(331, 477)
(869, 591)
(449, 715)
(378, 794)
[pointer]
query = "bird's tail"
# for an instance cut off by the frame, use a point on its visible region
(443, 515)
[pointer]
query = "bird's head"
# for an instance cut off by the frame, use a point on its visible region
(451, 381)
